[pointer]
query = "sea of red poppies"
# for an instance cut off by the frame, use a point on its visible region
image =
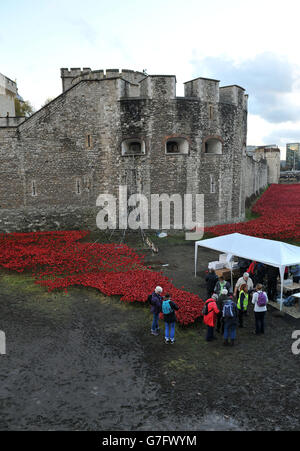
(279, 210)
(59, 260)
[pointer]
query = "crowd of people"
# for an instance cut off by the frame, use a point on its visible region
(228, 307)
(225, 308)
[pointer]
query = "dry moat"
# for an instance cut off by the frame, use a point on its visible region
(83, 361)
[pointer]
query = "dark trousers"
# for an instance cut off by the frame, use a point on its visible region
(272, 289)
(260, 322)
(241, 315)
(210, 333)
(220, 323)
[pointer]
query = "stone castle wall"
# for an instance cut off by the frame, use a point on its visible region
(56, 163)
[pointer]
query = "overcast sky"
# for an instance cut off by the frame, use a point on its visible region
(254, 44)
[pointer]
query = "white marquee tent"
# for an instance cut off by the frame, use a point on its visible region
(273, 253)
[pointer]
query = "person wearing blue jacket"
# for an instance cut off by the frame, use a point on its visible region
(168, 309)
(156, 302)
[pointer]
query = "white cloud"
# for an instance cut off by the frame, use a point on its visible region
(254, 43)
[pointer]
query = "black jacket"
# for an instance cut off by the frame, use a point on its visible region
(272, 272)
(211, 280)
(171, 317)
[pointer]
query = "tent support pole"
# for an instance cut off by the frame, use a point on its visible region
(282, 271)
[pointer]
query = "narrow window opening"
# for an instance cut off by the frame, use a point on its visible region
(78, 189)
(212, 185)
(33, 189)
(211, 112)
(89, 141)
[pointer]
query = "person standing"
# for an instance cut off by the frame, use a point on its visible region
(260, 301)
(242, 281)
(243, 265)
(210, 316)
(242, 304)
(168, 309)
(230, 316)
(272, 275)
(156, 303)
(260, 274)
(224, 296)
(211, 280)
(221, 285)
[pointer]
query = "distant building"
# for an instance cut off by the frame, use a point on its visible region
(270, 153)
(293, 156)
(250, 150)
(8, 93)
(283, 165)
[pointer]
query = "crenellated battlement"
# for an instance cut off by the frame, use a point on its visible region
(160, 86)
(71, 77)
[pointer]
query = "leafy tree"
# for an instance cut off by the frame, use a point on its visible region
(24, 109)
(48, 100)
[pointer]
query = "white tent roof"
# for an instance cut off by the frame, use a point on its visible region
(274, 253)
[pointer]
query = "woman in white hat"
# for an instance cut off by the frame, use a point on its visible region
(156, 303)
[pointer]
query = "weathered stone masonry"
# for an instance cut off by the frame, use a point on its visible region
(110, 129)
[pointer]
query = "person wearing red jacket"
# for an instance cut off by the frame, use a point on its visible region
(210, 318)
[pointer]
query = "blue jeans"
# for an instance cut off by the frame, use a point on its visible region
(229, 331)
(155, 322)
(170, 331)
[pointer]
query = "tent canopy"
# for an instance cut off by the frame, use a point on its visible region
(273, 253)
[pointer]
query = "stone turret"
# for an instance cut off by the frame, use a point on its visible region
(70, 77)
(234, 95)
(205, 89)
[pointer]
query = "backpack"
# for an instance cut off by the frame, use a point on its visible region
(262, 299)
(228, 310)
(205, 311)
(149, 300)
(166, 308)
